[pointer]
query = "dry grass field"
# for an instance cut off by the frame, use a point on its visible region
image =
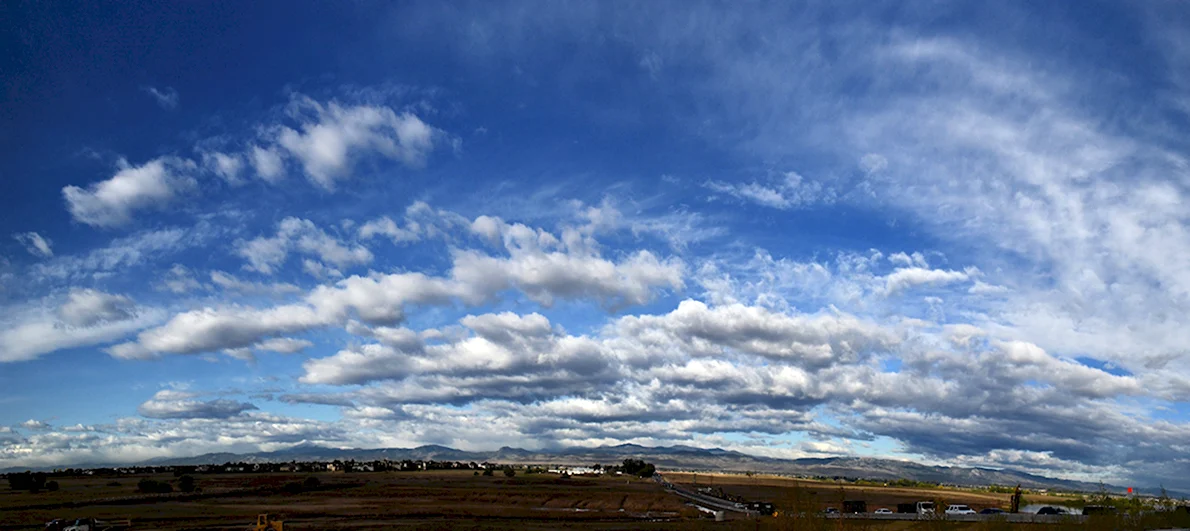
(456, 500)
(818, 495)
(421, 500)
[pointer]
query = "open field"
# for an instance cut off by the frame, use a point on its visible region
(365, 500)
(818, 495)
(454, 500)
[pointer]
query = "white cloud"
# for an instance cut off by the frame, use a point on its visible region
(35, 244)
(538, 265)
(320, 270)
(265, 254)
(909, 277)
(211, 329)
(95, 318)
(327, 144)
(170, 404)
(283, 345)
(126, 253)
(226, 166)
(230, 282)
(789, 191)
(86, 307)
(167, 99)
(33, 424)
(267, 163)
(873, 163)
(111, 202)
(179, 280)
(385, 226)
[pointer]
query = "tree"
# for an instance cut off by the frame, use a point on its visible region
(32, 482)
(150, 486)
(186, 483)
(487, 471)
(638, 467)
(508, 471)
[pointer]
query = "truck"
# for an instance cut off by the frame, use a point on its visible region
(921, 507)
(855, 506)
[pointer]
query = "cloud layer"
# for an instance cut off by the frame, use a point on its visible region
(835, 229)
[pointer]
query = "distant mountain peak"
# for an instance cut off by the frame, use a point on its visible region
(665, 457)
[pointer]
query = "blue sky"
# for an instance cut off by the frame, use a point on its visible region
(954, 232)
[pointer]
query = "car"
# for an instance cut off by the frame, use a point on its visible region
(959, 509)
(1050, 510)
(884, 510)
(992, 510)
(831, 510)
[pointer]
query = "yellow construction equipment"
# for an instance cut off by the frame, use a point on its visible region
(264, 523)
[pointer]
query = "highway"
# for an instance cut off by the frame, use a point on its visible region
(701, 499)
(712, 502)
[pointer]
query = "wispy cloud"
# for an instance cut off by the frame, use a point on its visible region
(166, 98)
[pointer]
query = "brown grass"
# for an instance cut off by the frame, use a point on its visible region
(443, 500)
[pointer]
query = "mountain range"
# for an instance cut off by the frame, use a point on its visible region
(669, 457)
(676, 457)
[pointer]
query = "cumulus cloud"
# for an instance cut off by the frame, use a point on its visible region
(112, 202)
(538, 264)
(226, 165)
(385, 226)
(87, 317)
(172, 404)
(35, 244)
(909, 277)
(283, 345)
(267, 163)
(86, 307)
(265, 254)
(333, 135)
(179, 279)
(33, 424)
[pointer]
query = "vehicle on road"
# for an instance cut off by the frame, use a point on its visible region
(831, 510)
(884, 510)
(992, 510)
(1050, 510)
(959, 509)
(925, 507)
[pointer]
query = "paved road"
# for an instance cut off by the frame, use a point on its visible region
(721, 504)
(701, 499)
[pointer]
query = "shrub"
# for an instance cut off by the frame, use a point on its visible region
(186, 484)
(32, 482)
(508, 471)
(487, 471)
(312, 483)
(113, 484)
(150, 486)
(51, 486)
